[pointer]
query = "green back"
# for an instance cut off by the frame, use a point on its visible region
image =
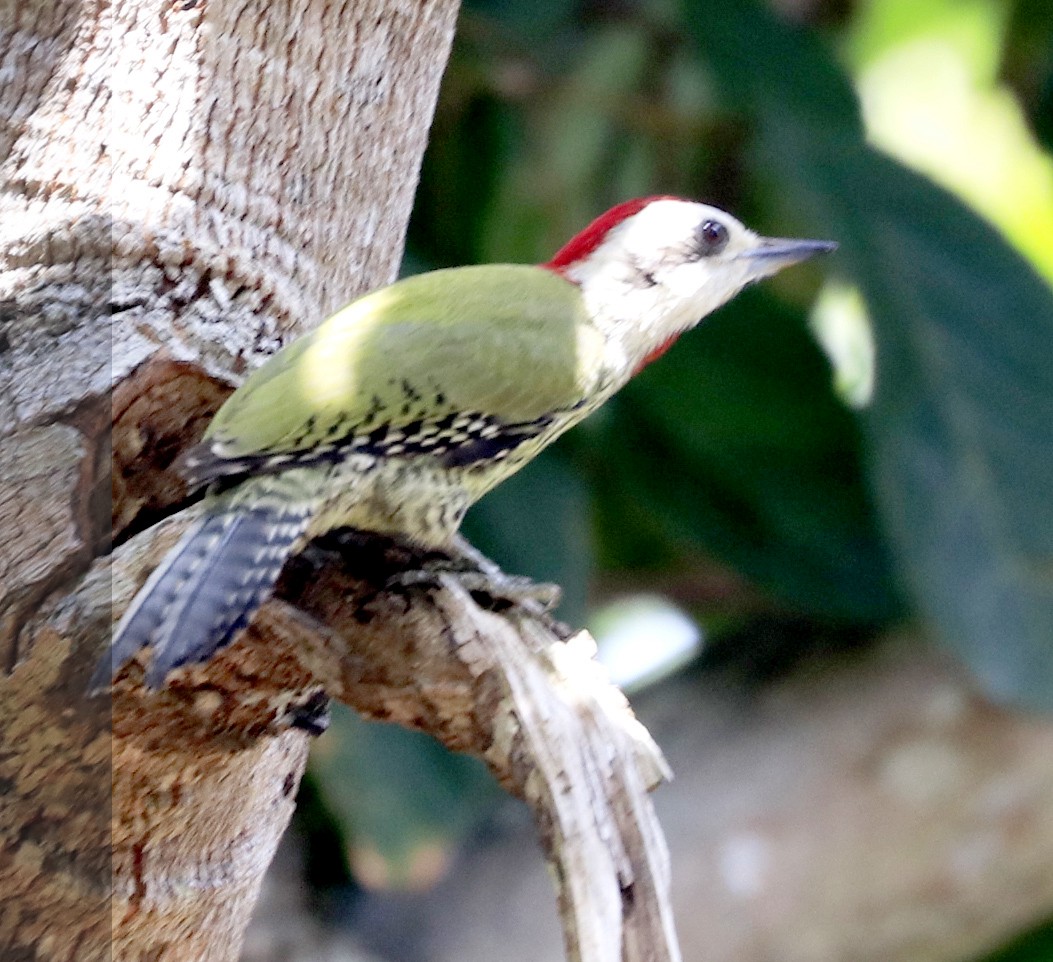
(511, 341)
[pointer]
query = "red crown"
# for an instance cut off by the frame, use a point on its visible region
(583, 244)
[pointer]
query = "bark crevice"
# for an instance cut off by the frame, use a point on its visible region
(166, 225)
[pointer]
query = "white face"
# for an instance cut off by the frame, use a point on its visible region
(666, 267)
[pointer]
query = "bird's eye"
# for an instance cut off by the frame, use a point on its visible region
(711, 237)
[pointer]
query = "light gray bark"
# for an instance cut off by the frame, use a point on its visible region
(184, 186)
(188, 185)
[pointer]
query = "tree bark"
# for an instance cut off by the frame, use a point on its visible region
(186, 185)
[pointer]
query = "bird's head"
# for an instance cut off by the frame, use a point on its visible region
(651, 268)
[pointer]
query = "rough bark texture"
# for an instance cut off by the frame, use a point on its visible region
(187, 185)
(509, 686)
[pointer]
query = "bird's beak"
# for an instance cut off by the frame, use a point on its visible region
(771, 254)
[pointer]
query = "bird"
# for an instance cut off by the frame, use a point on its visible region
(405, 407)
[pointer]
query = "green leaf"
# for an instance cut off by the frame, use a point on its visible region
(473, 135)
(575, 143)
(960, 429)
(537, 22)
(1029, 63)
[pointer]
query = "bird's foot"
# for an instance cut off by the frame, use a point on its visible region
(510, 589)
(478, 575)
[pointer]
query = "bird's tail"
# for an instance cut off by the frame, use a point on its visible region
(211, 583)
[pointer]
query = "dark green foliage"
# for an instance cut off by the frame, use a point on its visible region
(736, 445)
(1029, 63)
(933, 502)
(537, 521)
(961, 443)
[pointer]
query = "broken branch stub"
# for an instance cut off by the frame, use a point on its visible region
(537, 707)
(508, 686)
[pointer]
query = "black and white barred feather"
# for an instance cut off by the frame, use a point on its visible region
(209, 585)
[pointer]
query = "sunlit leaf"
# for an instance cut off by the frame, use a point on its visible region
(968, 132)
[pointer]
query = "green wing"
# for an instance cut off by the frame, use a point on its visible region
(511, 342)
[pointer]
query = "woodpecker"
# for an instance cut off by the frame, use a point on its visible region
(405, 407)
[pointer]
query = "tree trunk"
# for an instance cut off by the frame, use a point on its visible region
(186, 186)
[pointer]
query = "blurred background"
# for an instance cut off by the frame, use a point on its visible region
(815, 541)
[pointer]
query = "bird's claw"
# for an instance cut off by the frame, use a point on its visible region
(494, 583)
